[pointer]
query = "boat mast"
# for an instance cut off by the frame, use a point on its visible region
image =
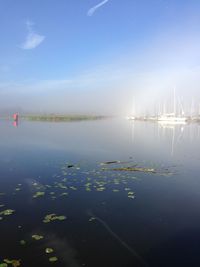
(174, 101)
(181, 106)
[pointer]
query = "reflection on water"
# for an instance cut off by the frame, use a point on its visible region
(176, 134)
(15, 123)
(84, 190)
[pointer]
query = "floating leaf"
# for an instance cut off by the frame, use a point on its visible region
(3, 265)
(15, 263)
(52, 217)
(61, 218)
(115, 190)
(88, 189)
(37, 237)
(100, 189)
(131, 196)
(38, 194)
(7, 212)
(17, 189)
(49, 250)
(73, 188)
(53, 259)
(22, 242)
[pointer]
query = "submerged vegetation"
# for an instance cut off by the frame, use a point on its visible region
(60, 118)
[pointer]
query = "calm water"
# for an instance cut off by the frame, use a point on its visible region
(113, 218)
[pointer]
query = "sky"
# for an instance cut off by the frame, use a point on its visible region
(114, 57)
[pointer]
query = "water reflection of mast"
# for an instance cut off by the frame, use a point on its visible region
(133, 131)
(181, 134)
(173, 139)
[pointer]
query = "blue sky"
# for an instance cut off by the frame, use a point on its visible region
(81, 51)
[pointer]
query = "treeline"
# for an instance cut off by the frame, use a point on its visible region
(53, 117)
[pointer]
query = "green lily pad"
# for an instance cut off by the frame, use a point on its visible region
(131, 196)
(49, 250)
(53, 259)
(88, 189)
(61, 218)
(73, 188)
(64, 194)
(115, 190)
(14, 263)
(17, 189)
(7, 212)
(3, 265)
(52, 217)
(22, 242)
(37, 237)
(100, 189)
(39, 194)
(127, 189)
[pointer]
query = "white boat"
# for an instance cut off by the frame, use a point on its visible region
(172, 118)
(130, 117)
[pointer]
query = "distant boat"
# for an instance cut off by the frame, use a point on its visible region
(130, 118)
(172, 118)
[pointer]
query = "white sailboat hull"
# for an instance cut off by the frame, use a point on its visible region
(172, 119)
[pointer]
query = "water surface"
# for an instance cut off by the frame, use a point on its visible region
(113, 218)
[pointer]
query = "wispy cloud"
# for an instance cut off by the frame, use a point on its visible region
(33, 39)
(93, 9)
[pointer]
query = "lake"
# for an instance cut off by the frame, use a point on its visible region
(110, 192)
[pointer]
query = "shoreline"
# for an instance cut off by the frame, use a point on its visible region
(61, 118)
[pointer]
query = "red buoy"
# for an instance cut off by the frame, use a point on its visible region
(15, 116)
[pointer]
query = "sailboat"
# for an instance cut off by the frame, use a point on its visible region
(130, 117)
(172, 118)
